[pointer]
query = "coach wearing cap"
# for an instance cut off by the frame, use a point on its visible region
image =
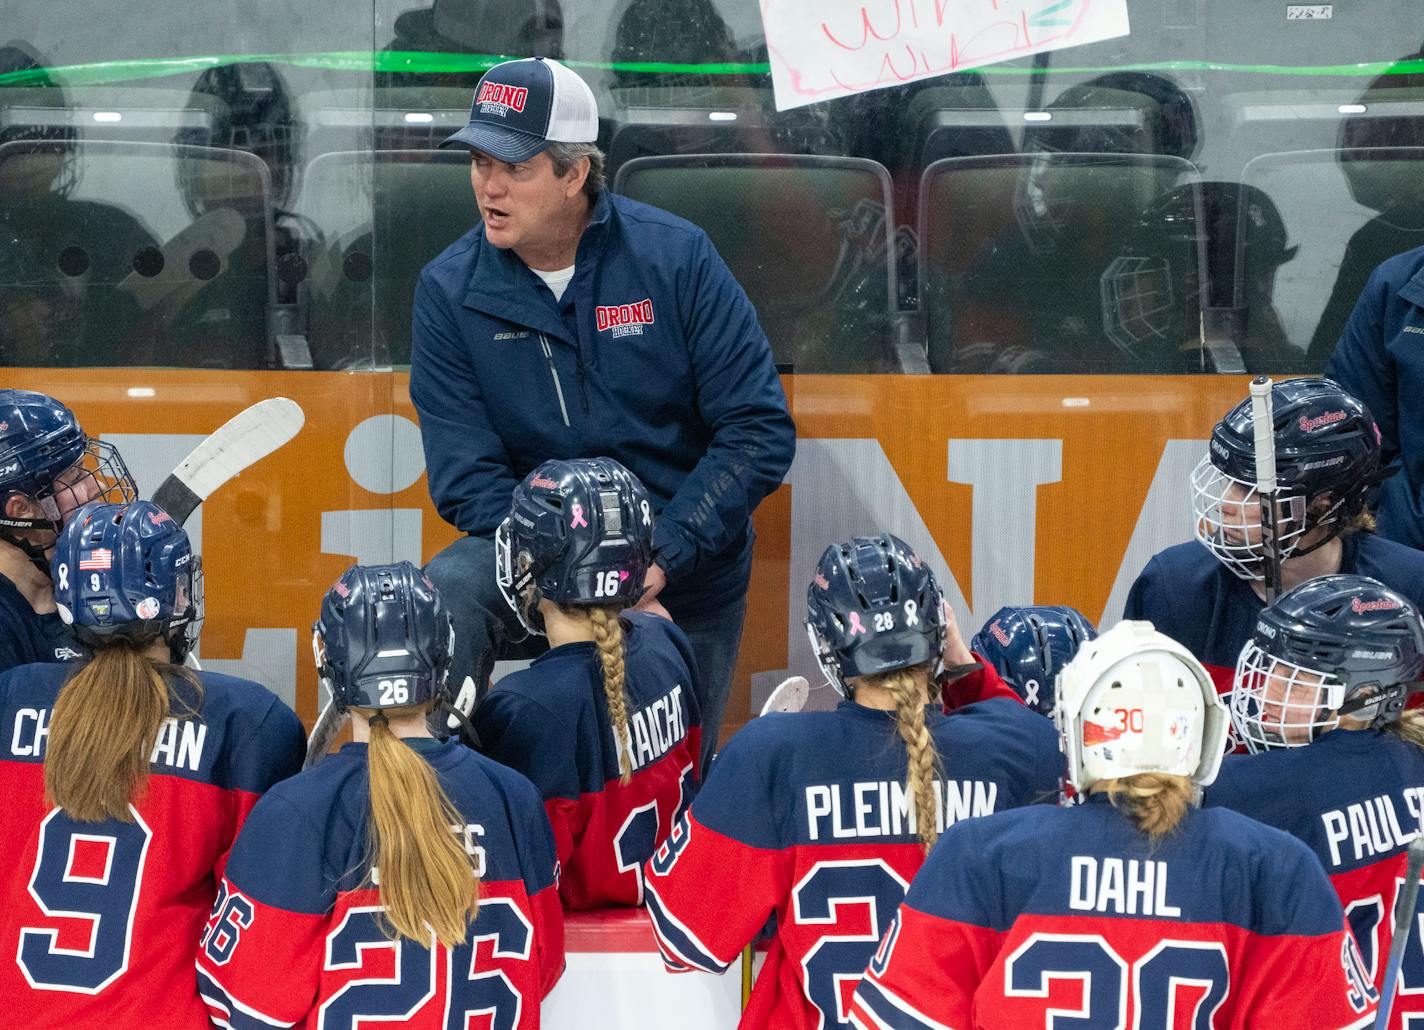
(574, 323)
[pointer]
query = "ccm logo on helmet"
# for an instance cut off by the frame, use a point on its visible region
(624, 319)
(1310, 425)
(502, 97)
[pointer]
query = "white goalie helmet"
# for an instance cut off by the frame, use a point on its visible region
(1136, 701)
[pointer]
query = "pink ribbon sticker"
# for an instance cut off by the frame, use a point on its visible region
(622, 575)
(578, 519)
(856, 626)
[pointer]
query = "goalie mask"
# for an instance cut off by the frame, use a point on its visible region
(580, 532)
(1327, 458)
(1335, 645)
(873, 607)
(1136, 701)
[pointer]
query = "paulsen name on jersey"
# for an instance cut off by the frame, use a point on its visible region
(178, 746)
(1372, 828)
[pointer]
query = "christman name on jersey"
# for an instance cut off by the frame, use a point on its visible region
(658, 728)
(1124, 887)
(1372, 827)
(179, 744)
(883, 808)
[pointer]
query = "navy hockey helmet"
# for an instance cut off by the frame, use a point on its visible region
(46, 456)
(128, 571)
(1335, 645)
(581, 532)
(873, 607)
(1029, 646)
(383, 639)
(1327, 458)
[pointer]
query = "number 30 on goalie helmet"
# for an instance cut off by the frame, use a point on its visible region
(873, 607)
(1136, 701)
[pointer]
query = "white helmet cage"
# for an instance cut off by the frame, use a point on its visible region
(1227, 514)
(1277, 704)
(1136, 701)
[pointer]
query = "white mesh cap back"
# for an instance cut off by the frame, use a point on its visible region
(573, 117)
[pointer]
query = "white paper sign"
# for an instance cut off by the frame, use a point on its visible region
(822, 49)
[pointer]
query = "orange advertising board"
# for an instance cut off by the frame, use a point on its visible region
(1018, 489)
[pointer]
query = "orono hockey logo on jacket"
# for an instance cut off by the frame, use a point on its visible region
(624, 319)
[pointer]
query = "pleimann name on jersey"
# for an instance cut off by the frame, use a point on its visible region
(624, 319)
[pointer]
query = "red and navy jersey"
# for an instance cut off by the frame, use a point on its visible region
(550, 722)
(1186, 593)
(1029, 919)
(1356, 798)
(99, 921)
(805, 816)
(27, 637)
(297, 938)
(979, 685)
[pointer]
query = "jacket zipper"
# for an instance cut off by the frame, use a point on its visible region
(558, 387)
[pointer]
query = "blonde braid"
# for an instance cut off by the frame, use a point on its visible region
(608, 637)
(923, 768)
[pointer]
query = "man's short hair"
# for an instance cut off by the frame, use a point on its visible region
(565, 155)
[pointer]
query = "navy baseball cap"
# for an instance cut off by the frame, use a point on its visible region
(520, 107)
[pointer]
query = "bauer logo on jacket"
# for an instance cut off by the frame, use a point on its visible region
(625, 319)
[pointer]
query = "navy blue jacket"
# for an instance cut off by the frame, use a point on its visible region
(1380, 359)
(1200, 603)
(654, 357)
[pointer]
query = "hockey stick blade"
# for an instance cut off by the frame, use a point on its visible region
(328, 724)
(789, 696)
(242, 441)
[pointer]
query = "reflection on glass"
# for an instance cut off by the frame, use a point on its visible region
(1206, 194)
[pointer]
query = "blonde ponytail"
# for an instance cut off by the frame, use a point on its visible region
(923, 768)
(101, 736)
(608, 638)
(1409, 727)
(427, 880)
(1155, 802)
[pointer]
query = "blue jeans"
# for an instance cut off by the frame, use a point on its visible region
(486, 629)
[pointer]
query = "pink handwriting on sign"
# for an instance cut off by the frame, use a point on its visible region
(835, 48)
(856, 626)
(578, 521)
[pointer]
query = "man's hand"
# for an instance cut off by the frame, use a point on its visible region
(653, 584)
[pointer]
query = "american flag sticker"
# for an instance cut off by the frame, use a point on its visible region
(97, 560)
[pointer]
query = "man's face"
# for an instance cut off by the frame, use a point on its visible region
(520, 203)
